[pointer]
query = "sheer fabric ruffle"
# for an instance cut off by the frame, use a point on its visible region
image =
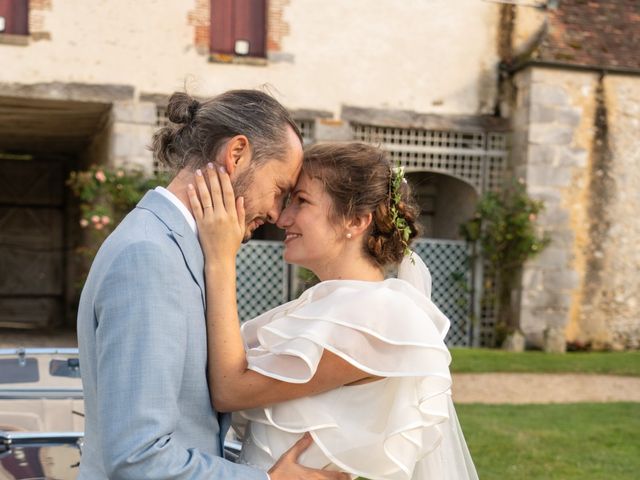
(395, 428)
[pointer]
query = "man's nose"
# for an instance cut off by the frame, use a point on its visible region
(276, 210)
(274, 214)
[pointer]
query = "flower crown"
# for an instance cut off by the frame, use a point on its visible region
(395, 197)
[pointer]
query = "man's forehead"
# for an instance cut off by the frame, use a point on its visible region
(290, 177)
(280, 175)
(289, 182)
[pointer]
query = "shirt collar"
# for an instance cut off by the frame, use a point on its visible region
(183, 209)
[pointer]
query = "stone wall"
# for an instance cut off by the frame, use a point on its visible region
(615, 301)
(133, 125)
(575, 148)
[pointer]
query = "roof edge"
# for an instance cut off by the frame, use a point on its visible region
(512, 69)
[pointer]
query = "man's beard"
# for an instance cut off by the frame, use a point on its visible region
(240, 187)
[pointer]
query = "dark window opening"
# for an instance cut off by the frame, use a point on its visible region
(14, 17)
(238, 27)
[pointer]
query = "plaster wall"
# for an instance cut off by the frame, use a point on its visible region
(362, 53)
(529, 23)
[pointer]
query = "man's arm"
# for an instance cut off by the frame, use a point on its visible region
(141, 345)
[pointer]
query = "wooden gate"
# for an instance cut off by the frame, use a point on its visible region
(32, 274)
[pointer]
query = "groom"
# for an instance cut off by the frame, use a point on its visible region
(141, 319)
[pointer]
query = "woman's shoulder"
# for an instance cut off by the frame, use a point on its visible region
(390, 296)
(392, 310)
(342, 293)
(391, 289)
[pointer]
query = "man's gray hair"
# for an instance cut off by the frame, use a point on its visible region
(198, 130)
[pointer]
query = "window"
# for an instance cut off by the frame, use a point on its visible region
(307, 130)
(238, 27)
(14, 17)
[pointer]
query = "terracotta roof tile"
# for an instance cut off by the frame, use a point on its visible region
(602, 33)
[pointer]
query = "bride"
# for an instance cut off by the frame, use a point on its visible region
(358, 361)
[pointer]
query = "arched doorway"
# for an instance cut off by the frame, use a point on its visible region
(446, 202)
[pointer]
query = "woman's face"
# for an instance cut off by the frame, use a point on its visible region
(312, 239)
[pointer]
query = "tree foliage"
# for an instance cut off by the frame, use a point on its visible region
(505, 226)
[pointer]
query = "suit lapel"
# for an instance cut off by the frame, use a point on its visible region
(193, 257)
(181, 233)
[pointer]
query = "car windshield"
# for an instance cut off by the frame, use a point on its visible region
(41, 413)
(42, 369)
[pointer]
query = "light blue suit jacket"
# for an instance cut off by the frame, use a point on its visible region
(143, 355)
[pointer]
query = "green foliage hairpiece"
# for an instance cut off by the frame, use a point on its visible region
(395, 197)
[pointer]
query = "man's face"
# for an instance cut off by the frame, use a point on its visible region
(266, 186)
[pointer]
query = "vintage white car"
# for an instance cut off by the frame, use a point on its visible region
(42, 414)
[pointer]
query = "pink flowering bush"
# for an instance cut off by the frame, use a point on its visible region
(106, 195)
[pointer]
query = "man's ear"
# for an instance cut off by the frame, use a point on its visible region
(358, 225)
(236, 154)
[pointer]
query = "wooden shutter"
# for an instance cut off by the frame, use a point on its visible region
(234, 22)
(15, 14)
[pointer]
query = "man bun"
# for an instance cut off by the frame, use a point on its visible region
(182, 108)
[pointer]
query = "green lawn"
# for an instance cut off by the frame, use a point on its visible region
(571, 441)
(476, 360)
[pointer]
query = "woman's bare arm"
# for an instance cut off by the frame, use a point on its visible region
(233, 386)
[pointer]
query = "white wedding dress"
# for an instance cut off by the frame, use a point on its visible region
(399, 428)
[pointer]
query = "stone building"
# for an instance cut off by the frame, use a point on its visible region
(571, 77)
(443, 85)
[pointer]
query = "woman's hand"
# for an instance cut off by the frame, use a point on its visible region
(219, 216)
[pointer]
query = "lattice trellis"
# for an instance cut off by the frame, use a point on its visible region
(448, 262)
(262, 278)
(488, 309)
(476, 157)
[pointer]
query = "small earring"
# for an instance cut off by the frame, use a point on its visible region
(349, 235)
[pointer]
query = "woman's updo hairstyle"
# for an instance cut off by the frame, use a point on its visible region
(358, 178)
(199, 129)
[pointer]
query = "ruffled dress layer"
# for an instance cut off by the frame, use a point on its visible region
(398, 428)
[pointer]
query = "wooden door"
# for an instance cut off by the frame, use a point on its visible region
(32, 277)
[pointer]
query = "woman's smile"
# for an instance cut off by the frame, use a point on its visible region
(291, 236)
